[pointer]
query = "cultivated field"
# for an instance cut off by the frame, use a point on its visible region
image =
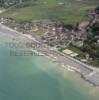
(68, 11)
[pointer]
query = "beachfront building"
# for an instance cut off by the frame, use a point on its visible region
(83, 25)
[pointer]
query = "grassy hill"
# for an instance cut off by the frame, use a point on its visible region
(69, 11)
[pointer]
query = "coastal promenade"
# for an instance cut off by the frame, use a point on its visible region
(87, 72)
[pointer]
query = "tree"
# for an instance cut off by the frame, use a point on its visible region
(1, 2)
(95, 29)
(97, 10)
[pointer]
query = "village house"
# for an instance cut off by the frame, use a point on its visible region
(8, 3)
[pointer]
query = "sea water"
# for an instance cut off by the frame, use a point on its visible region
(37, 78)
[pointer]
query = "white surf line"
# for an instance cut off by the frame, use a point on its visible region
(38, 53)
(67, 68)
(73, 68)
(51, 58)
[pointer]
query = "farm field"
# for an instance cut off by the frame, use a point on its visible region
(68, 11)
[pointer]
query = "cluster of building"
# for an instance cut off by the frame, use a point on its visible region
(52, 33)
(56, 34)
(19, 26)
(93, 19)
(8, 3)
(62, 36)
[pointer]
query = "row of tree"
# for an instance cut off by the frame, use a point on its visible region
(91, 44)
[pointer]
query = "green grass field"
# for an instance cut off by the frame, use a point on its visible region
(71, 12)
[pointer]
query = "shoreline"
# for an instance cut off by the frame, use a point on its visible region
(55, 57)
